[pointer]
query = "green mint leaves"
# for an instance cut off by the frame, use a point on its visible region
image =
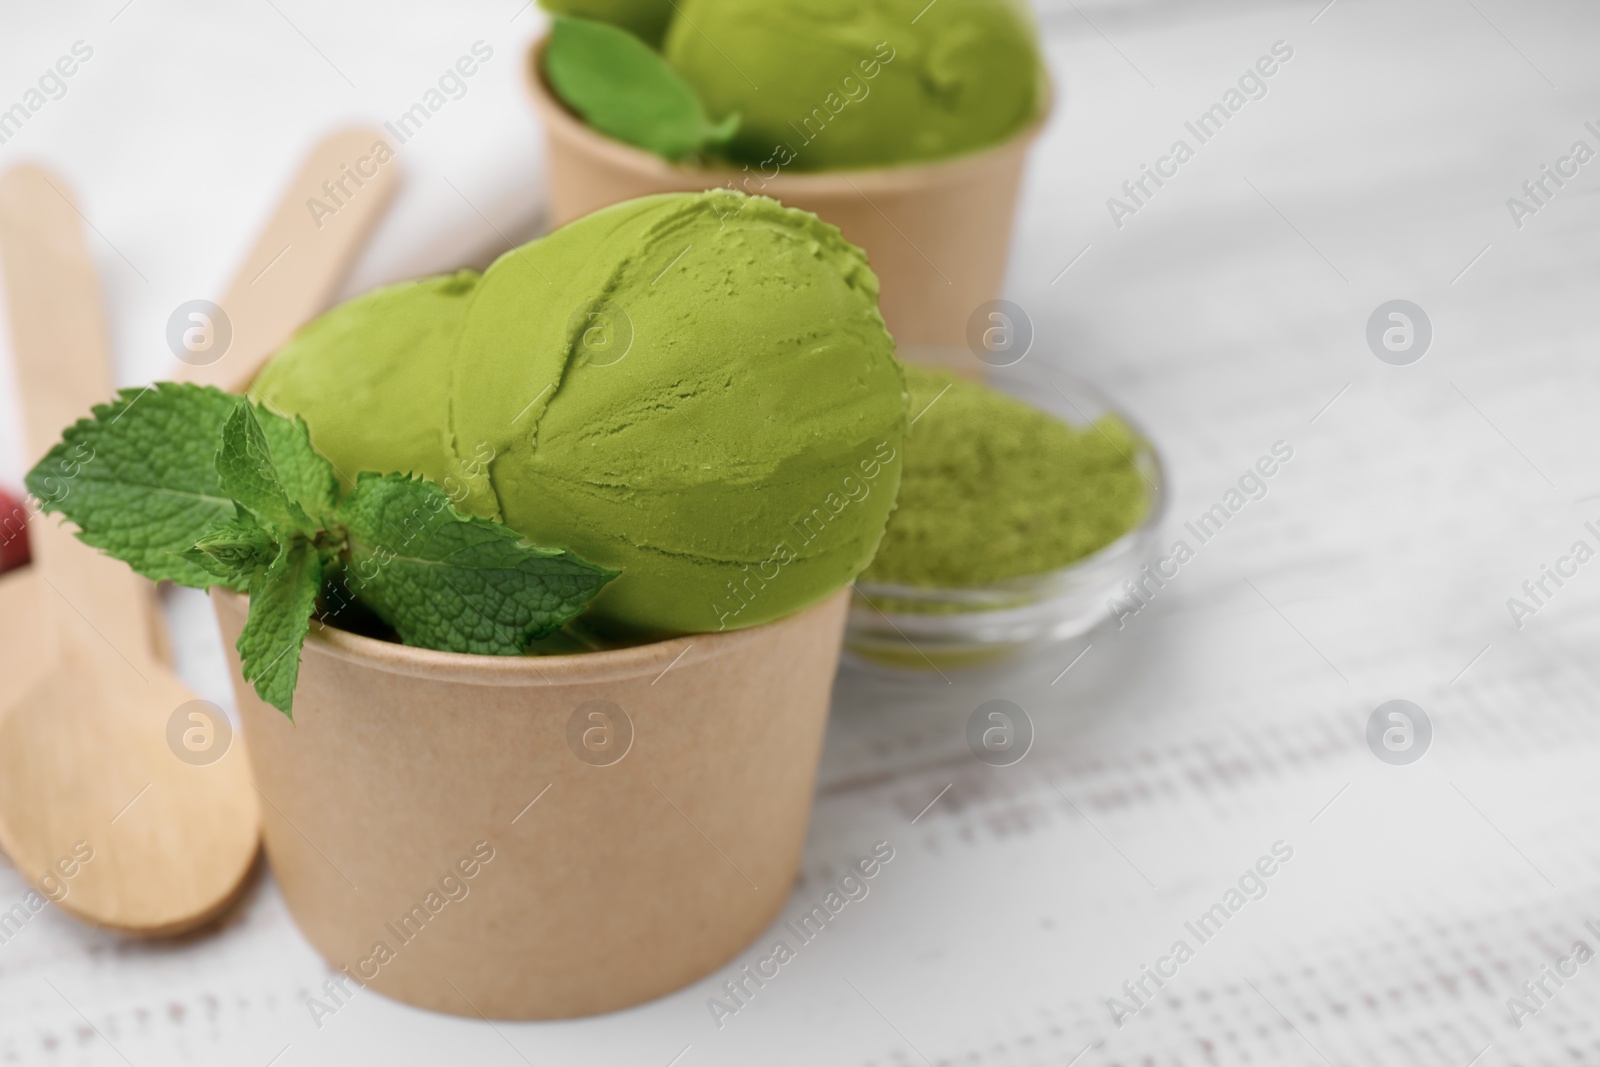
(139, 478)
(645, 19)
(282, 598)
(234, 552)
(452, 583)
(202, 488)
(625, 89)
(248, 475)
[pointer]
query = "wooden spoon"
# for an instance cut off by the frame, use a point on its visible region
(95, 807)
(26, 651)
(304, 254)
(86, 764)
(291, 274)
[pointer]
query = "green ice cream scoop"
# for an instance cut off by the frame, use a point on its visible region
(833, 84)
(695, 390)
(371, 377)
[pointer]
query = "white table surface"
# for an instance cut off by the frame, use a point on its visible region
(1227, 314)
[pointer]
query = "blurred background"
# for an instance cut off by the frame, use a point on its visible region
(1228, 313)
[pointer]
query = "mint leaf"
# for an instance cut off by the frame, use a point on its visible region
(204, 488)
(306, 475)
(454, 583)
(282, 598)
(138, 478)
(624, 89)
(247, 473)
(645, 19)
(235, 552)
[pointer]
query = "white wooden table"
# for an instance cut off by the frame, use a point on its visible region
(1229, 313)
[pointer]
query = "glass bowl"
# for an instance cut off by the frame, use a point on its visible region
(920, 627)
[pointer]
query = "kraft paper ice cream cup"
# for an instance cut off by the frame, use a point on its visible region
(539, 837)
(937, 234)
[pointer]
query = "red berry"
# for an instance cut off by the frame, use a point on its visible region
(13, 532)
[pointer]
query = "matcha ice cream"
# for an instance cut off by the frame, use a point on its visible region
(827, 84)
(695, 390)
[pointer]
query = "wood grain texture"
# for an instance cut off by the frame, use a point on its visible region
(303, 253)
(92, 794)
(58, 327)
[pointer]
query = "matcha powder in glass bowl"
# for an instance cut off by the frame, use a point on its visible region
(993, 488)
(1016, 525)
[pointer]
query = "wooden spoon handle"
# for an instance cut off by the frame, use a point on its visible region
(57, 320)
(303, 255)
(59, 337)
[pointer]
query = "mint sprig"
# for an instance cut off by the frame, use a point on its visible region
(234, 551)
(625, 89)
(247, 473)
(282, 599)
(202, 488)
(454, 583)
(645, 19)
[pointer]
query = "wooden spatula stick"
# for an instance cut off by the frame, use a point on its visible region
(153, 840)
(86, 765)
(304, 253)
(56, 314)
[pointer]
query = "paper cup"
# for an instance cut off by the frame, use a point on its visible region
(540, 837)
(936, 234)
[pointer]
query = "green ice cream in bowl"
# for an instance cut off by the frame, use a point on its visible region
(808, 84)
(850, 85)
(694, 391)
(906, 124)
(485, 532)
(679, 415)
